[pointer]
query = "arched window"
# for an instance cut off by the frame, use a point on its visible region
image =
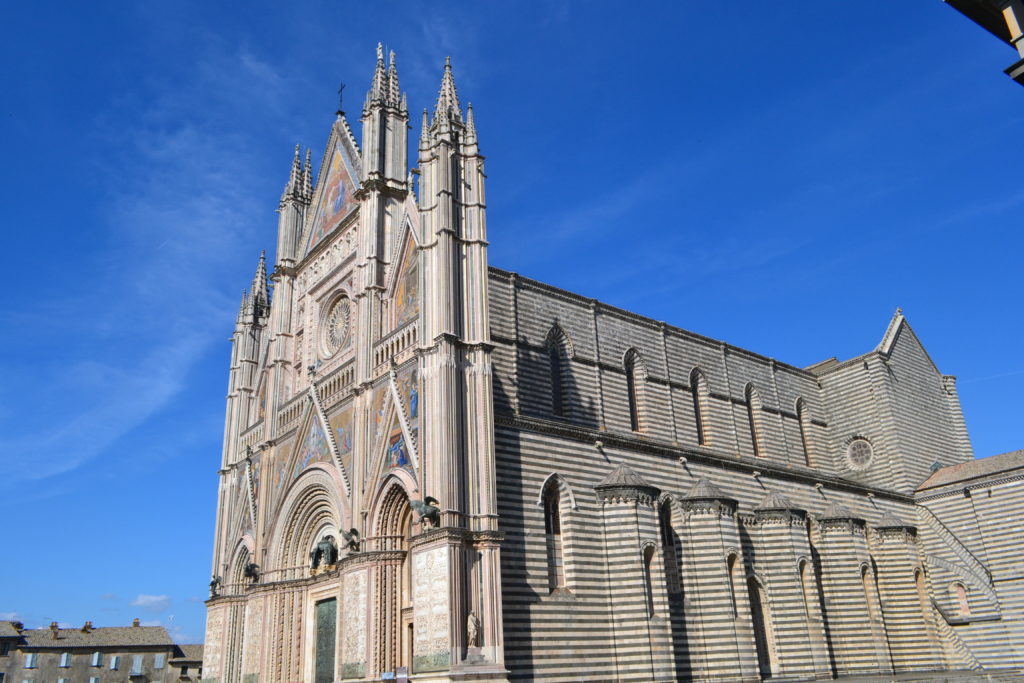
(559, 357)
(806, 591)
(648, 584)
(553, 537)
(959, 594)
(867, 577)
(803, 417)
(699, 394)
(635, 389)
(733, 568)
(670, 550)
(764, 635)
(754, 419)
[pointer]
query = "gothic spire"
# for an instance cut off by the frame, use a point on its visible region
(470, 125)
(242, 307)
(307, 176)
(394, 92)
(447, 98)
(260, 291)
(425, 129)
(379, 88)
(294, 185)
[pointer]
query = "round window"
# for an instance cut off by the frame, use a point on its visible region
(336, 326)
(858, 454)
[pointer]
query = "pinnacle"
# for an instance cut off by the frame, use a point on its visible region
(260, 292)
(307, 176)
(470, 124)
(447, 97)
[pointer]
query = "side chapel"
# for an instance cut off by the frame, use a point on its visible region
(437, 469)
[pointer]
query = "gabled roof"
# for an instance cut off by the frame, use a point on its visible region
(111, 636)
(974, 469)
(188, 654)
(7, 630)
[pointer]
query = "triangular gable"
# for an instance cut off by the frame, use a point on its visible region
(309, 448)
(342, 429)
(899, 327)
(394, 446)
(405, 285)
(339, 178)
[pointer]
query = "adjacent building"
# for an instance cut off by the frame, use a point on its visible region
(95, 655)
(437, 469)
(1002, 18)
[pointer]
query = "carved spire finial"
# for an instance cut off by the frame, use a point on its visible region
(307, 176)
(447, 97)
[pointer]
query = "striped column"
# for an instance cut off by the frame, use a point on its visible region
(906, 604)
(781, 548)
(859, 643)
(641, 638)
(723, 643)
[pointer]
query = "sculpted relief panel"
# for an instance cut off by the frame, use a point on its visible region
(353, 655)
(431, 645)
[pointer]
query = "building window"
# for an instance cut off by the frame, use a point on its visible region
(859, 454)
(553, 537)
(5, 648)
(136, 665)
(764, 635)
(732, 567)
(97, 659)
(65, 659)
(635, 386)
(94, 679)
(30, 660)
(754, 419)
(62, 680)
(699, 394)
(648, 584)
(559, 358)
(803, 418)
(959, 595)
(673, 581)
(805, 587)
(115, 662)
(158, 661)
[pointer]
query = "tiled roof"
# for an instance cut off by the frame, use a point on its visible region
(7, 630)
(891, 521)
(972, 469)
(623, 476)
(187, 654)
(837, 511)
(111, 636)
(774, 500)
(705, 490)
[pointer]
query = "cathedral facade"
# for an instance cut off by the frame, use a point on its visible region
(438, 470)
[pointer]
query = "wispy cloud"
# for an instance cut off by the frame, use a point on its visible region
(10, 616)
(182, 199)
(152, 603)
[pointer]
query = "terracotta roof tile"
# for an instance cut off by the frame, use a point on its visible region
(973, 469)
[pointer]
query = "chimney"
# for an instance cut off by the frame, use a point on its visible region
(135, 622)
(53, 630)
(87, 627)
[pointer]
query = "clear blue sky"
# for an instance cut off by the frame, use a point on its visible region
(776, 177)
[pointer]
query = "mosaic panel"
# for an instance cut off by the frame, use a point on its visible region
(336, 199)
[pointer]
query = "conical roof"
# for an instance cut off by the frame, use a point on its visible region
(623, 475)
(837, 511)
(891, 521)
(705, 490)
(774, 500)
